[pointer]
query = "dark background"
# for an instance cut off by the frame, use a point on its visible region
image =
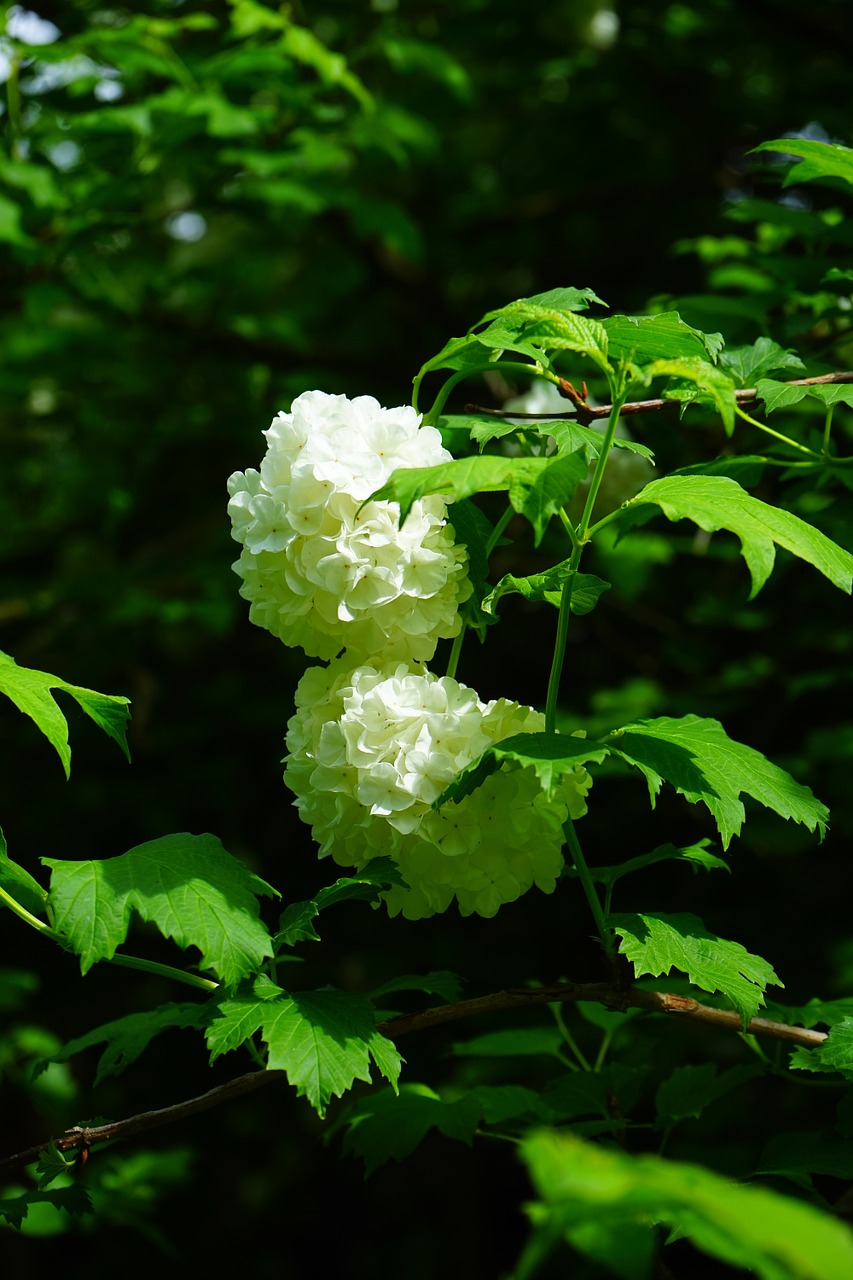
(508, 151)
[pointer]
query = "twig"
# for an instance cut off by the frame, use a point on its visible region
(585, 413)
(82, 1137)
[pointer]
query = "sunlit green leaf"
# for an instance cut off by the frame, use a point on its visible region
(189, 886)
(717, 502)
(550, 754)
(656, 943)
(697, 757)
(323, 1040)
(31, 693)
(661, 337)
(816, 159)
(772, 1236)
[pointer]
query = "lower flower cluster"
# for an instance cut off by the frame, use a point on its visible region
(371, 749)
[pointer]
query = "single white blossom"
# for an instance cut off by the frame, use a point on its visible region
(371, 749)
(323, 572)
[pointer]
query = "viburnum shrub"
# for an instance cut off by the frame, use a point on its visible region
(363, 545)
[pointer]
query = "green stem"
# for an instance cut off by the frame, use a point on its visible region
(589, 890)
(453, 660)
(568, 1037)
(598, 475)
(606, 1041)
(560, 645)
(569, 528)
(163, 971)
(125, 962)
(513, 366)
(827, 427)
(497, 532)
(25, 915)
(777, 435)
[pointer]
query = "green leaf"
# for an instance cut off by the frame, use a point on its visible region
(698, 758)
(661, 337)
(696, 854)
(716, 502)
(388, 1127)
(52, 1164)
(16, 880)
(441, 982)
(537, 486)
(657, 943)
(587, 1093)
(550, 754)
(747, 364)
(322, 1040)
(778, 395)
(548, 586)
(582, 1186)
(817, 159)
(711, 384)
(835, 1054)
(832, 393)
(513, 1043)
(126, 1038)
(799, 1155)
(689, 1090)
(826, 1012)
(31, 693)
(73, 1200)
(295, 923)
(189, 886)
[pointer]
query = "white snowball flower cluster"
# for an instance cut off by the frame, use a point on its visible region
(321, 571)
(371, 749)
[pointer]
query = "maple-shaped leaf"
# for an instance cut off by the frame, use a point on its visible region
(835, 1054)
(697, 757)
(189, 886)
(126, 1038)
(388, 1127)
(31, 692)
(655, 944)
(718, 502)
(322, 1040)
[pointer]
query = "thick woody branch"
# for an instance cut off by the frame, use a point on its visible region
(81, 1138)
(585, 413)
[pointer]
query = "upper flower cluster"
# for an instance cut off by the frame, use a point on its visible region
(321, 570)
(370, 750)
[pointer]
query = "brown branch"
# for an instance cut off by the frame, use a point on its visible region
(82, 1137)
(586, 413)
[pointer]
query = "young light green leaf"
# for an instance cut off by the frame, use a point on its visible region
(295, 925)
(548, 586)
(717, 502)
(52, 1164)
(747, 364)
(322, 1040)
(689, 1090)
(698, 758)
(661, 337)
(189, 886)
(832, 394)
(550, 754)
(387, 1127)
(537, 486)
(710, 383)
(30, 691)
(657, 943)
(696, 854)
(126, 1038)
(835, 1054)
(580, 1186)
(817, 159)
